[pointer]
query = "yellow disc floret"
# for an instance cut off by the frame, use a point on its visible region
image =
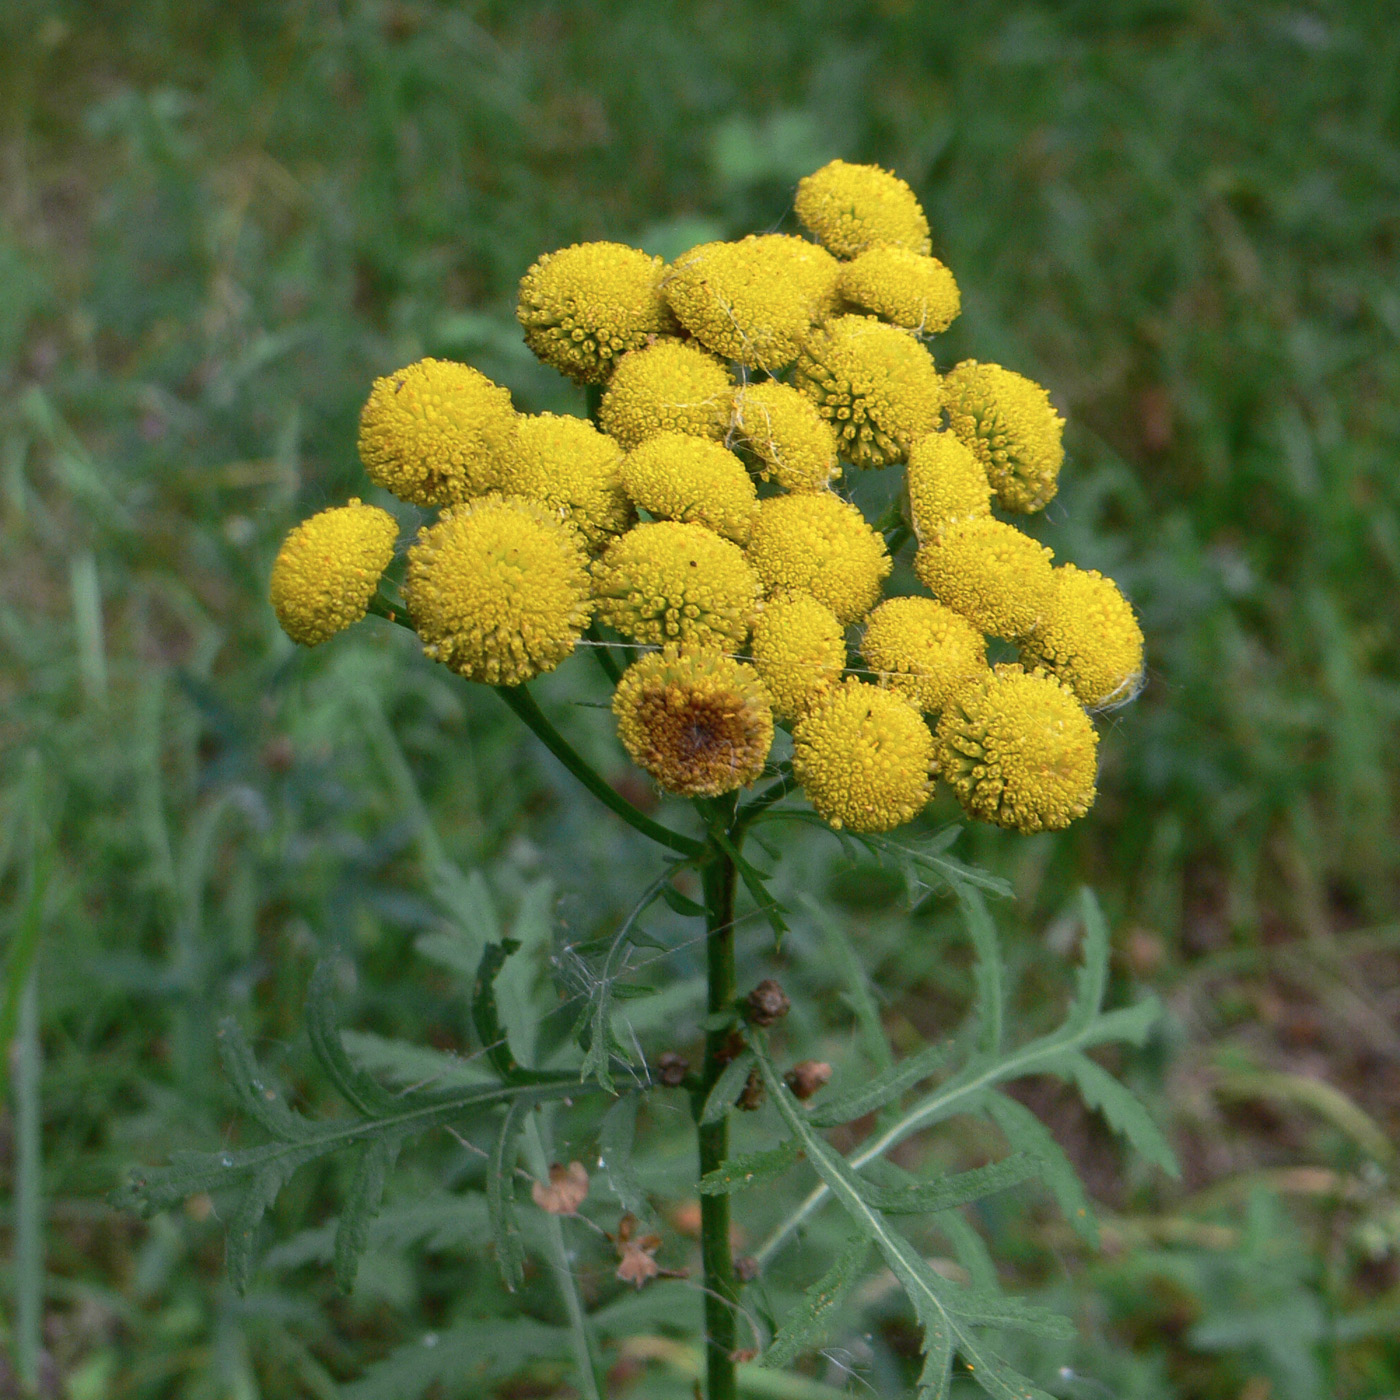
(672, 386)
(672, 582)
(784, 430)
(874, 383)
(678, 477)
(566, 463)
(904, 287)
(328, 569)
(923, 650)
(697, 720)
(947, 485)
(995, 576)
(799, 649)
(854, 207)
(585, 306)
(1090, 639)
(1010, 423)
(1019, 751)
(734, 299)
(863, 756)
(819, 544)
(498, 589)
(807, 264)
(433, 432)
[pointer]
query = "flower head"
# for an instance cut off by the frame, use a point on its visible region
(863, 756)
(995, 576)
(678, 477)
(672, 386)
(567, 464)
(819, 544)
(923, 650)
(672, 582)
(498, 589)
(1089, 638)
(741, 301)
(874, 383)
(1019, 751)
(854, 207)
(328, 568)
(695, 719)
(905, 287)
(433, 432)
(946, 483)
(585, 306)
(1010, 423)
(799, 649)
(784, 430)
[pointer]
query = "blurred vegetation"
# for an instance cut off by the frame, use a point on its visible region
(221, 221)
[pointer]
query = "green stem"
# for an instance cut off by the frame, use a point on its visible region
(28, 1198)
(523, 703)
(720, 1281)
(603, 652)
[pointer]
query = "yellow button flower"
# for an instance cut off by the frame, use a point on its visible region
(850, 208)
(1090, 639)
(328, 569)
(695, 719)
(1010, 423)
(672, 582)
(946, 484)
(904, 287)
(923, 650)
(874, 383)
(567, 464)
(678, 477)
(799, 649)
(587, 305)
(498, 589)
(670, 387)
(784, 430)
(1019, 751)
(863, 756)
(736, 300)
(433, 432)
(995, 576)
(819, 544)
(808, 264)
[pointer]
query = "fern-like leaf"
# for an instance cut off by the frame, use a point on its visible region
(500, 1198)
(750, 1169)
(361, 1206)
(807, 1327)
(1028, 1135)
(884, 1088)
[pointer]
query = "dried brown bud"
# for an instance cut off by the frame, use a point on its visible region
(767, 1003)
(637, 1265)
(806, 1077)
(742, 1355)
(746, 1266)
(566, 1192)
(751, 1099)
(671, 1069)
(732, 1048)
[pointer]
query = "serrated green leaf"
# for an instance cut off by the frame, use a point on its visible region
(616, 1136)
(807, 1325)
(856, 983)
(242, 1233)
(1128, 1024)
(726, 1088)
(519, 985)
(450, 950)
(415, 1067)
(1122, 1111)
(323, 1027)
(986, 1307)
(485, 1014)
(260, 1102)
(988, 973)
(934, 1301)
(361, 1206)
(970, 1248)
(1091, 979)
(500, 1198)
(681, 904)
(750, 1169)
(1026, 1133)
(944, 1193)
(436, 1223)
(756, 882)
(883, 1088)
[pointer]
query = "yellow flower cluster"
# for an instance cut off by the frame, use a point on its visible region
(694, 513)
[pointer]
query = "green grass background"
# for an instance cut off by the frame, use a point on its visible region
(221, 221)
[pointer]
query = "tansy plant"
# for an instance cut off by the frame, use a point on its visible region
(692, 534)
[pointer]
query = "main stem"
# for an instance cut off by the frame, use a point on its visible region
(721, 1282)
